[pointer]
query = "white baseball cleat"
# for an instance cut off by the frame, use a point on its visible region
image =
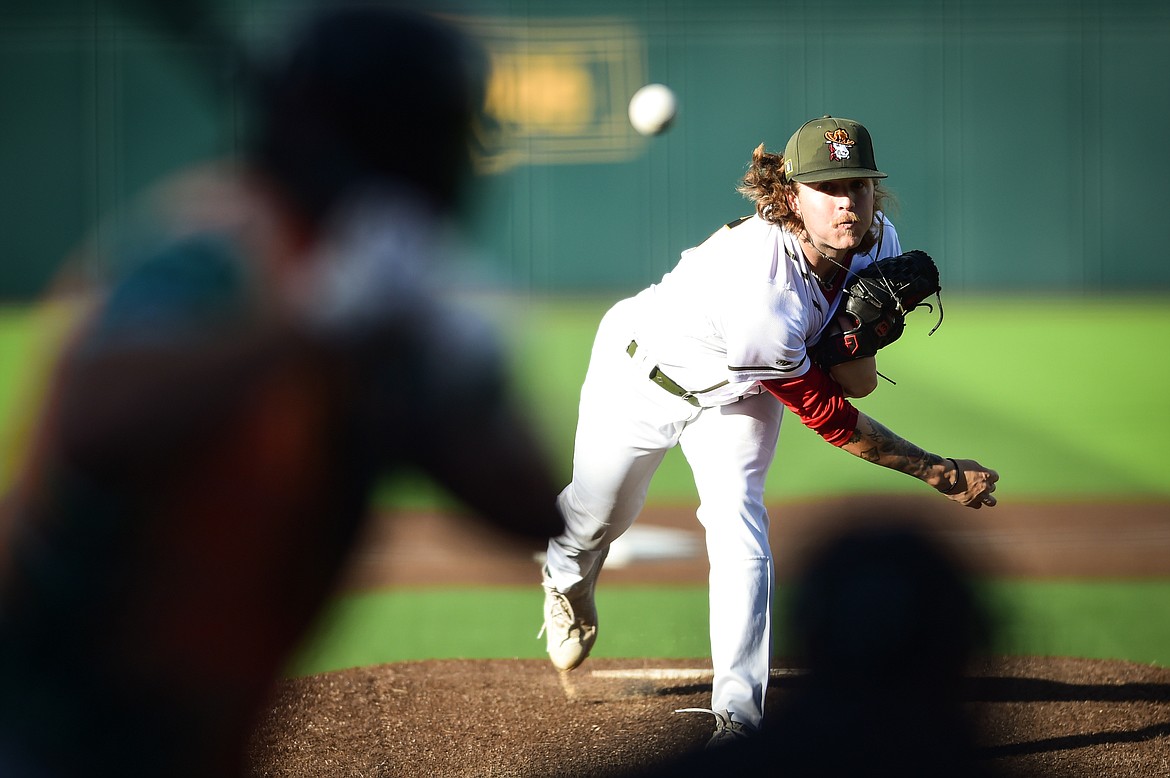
(570, 628)
(570, 620)
(727, 731)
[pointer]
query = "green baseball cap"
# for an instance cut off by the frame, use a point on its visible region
(830, 148)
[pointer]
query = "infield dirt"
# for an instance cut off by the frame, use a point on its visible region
(1035, 716)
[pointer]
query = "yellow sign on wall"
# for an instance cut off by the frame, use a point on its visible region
(558, 90)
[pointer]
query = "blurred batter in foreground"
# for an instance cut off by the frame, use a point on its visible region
(272, 346)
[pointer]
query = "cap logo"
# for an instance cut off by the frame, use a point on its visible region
(838, 141)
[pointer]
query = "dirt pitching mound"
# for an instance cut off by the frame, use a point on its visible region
(1034, 717)
(1071, 718)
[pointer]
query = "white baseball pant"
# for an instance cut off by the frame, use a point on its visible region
(625, 427)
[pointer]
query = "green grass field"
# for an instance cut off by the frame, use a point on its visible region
(1065, 397)
(1091, 619)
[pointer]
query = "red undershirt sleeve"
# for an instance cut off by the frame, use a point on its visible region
(819, 403)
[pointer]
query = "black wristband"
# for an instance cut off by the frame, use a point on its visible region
(960, 484)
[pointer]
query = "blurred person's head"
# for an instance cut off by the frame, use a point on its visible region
(367, 99)
(886, 608)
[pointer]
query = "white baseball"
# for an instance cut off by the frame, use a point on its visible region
(652, 109)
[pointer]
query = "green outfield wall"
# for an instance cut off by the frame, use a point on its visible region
(1024, 139)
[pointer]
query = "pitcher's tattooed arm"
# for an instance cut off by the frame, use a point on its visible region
(964, 481)
(874, 442)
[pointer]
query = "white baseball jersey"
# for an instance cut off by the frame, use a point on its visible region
(739, 309)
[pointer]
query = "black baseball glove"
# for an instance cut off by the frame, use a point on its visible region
(873, 307)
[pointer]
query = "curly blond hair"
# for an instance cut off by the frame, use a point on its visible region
(766, 186)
